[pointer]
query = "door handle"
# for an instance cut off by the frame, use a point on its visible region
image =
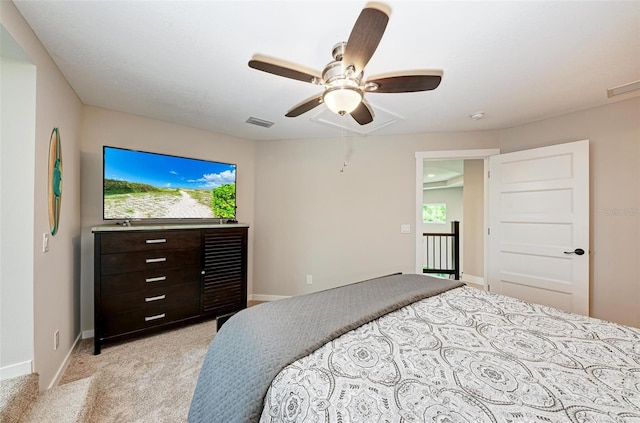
(577, 251)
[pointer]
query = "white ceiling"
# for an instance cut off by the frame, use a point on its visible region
(437, 173)
(186, 61)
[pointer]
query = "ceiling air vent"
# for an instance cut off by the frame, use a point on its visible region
(260, 122)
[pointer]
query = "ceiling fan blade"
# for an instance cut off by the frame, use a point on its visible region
(405, 82)
(305, 106)
(283, 68)
(366, 35)
(363, 113)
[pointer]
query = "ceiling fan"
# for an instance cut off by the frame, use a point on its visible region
(343, 79)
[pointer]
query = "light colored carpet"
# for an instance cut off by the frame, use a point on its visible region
(16, 396)
(150, 379)
(69, 403)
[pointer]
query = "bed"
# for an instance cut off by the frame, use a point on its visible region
(413, 348)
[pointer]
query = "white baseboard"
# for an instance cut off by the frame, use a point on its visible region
(15, 370)
(476, 280)
(65, 364)
(261, 297)
(86, 334)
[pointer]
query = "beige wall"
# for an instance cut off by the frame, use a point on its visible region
(339, 227)
(55, 274)
(473, 219)
(344, 227)
(17, 139)
(614, 134)
(107, 127)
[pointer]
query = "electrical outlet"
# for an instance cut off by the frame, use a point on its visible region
(45, 242)
(405, 229)
(309, 279)
(56, 340)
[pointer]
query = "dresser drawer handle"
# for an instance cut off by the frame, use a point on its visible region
(156, 241)
(156, 260)
(159, 297)
(158, 279)
(156, 317)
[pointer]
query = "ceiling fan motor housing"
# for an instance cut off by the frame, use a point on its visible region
(335, 74)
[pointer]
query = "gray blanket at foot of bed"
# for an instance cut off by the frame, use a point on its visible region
(257, 343)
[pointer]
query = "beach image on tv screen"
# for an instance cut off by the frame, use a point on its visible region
(140, 185)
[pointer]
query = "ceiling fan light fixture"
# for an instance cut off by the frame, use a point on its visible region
(342, 100)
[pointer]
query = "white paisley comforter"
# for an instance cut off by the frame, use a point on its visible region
(466, 356)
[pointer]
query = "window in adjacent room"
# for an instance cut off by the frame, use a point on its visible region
(434, 213)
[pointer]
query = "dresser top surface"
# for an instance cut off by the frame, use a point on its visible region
(118, 227)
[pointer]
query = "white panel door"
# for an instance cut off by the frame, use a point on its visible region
(539, 226)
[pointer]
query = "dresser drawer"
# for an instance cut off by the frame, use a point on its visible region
(120, 283)
(148, 260)
(118, 324)
(151, 300)
(148, 241)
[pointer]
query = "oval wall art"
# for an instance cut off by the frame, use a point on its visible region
(55, 180)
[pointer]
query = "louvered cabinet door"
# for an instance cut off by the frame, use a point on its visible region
(224, 287)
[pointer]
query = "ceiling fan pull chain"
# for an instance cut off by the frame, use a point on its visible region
(343, 136)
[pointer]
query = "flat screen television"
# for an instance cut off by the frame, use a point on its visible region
(140, 185)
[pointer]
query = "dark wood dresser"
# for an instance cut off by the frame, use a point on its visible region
(150, 278)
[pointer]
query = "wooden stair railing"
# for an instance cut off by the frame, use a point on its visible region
(442, 252)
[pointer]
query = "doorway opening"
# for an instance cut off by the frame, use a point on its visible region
(450, 166)
(17, 182)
